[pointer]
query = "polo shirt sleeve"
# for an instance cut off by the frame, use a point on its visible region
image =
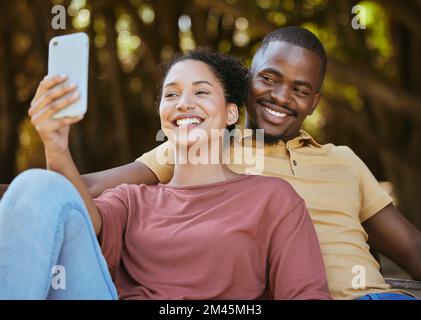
(296, 269)
(372, 196)
(113, 206)
(161, 161)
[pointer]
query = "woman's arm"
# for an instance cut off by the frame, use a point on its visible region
(54, 94)
(296, 269)
(63, 164)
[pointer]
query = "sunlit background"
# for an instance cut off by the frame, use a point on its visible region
(371, 96)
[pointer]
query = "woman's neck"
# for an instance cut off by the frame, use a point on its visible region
(187, 173)
(200, 174)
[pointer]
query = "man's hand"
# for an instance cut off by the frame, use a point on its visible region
(53, 94)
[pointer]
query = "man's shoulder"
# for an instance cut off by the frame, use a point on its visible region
(339, 151)
(345, 157)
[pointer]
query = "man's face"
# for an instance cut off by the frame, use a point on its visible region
(284, 89)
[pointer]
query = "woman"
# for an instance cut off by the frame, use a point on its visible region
(187, 239)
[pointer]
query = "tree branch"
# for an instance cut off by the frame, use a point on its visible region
(260, 23)
(405, 12)
(370, 85)
(362, 128)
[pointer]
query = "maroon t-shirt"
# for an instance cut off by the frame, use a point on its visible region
(246, 238)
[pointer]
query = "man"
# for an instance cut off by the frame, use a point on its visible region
(346, 203)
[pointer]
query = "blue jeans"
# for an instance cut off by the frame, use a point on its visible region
(386, 296)
(48, 247)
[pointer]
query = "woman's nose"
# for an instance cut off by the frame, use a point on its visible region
(184, 105)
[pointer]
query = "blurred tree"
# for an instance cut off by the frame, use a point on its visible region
(371, 98)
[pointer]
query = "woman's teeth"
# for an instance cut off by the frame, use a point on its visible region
(187, 121)
(276, 113)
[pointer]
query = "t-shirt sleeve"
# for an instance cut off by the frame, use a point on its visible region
(113, 207)
(161, 161)
(296, 269)
(372, 196)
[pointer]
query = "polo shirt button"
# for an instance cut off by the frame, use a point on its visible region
(294, 162)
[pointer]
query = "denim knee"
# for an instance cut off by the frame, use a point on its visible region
(38, 190)
(40, 176)
(35, 182)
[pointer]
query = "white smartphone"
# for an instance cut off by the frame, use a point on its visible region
(69, 55)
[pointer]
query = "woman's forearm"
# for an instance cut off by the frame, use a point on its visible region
(63, 163)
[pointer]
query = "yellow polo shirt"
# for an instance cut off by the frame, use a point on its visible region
(340, 193)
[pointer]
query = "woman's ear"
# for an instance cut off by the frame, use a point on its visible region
(232, 114)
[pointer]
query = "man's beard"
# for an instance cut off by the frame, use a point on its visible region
(268, 138)
(273, 139)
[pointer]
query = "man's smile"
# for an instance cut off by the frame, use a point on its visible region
(275, 114)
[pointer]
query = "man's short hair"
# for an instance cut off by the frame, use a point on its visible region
(300, 37)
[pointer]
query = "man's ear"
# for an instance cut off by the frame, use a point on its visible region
(316, 101)
(232, 113)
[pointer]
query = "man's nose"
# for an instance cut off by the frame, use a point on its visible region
(281, 95)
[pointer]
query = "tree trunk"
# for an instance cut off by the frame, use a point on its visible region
(114, 83)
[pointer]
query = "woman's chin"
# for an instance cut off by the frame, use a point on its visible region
(190, 142)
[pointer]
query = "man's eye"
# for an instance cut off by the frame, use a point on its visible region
(301, 92)
(269, 80)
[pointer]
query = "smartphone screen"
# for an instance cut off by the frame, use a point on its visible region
(69, 55)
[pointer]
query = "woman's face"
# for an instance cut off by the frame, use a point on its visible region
(193, 103)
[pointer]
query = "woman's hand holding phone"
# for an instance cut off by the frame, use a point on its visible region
(56, 93)
(53, 94)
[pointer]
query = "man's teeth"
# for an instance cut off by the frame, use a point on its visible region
(276, 113)
(187, 121)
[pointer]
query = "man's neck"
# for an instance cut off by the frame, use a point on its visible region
(272, 140)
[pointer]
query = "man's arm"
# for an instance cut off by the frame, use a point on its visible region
(97, 182)
(396, 238)
(132, 173)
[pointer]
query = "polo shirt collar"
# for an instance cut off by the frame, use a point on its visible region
(304, 138)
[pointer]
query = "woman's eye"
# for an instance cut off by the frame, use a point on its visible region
(170, 94)
(202, 92)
